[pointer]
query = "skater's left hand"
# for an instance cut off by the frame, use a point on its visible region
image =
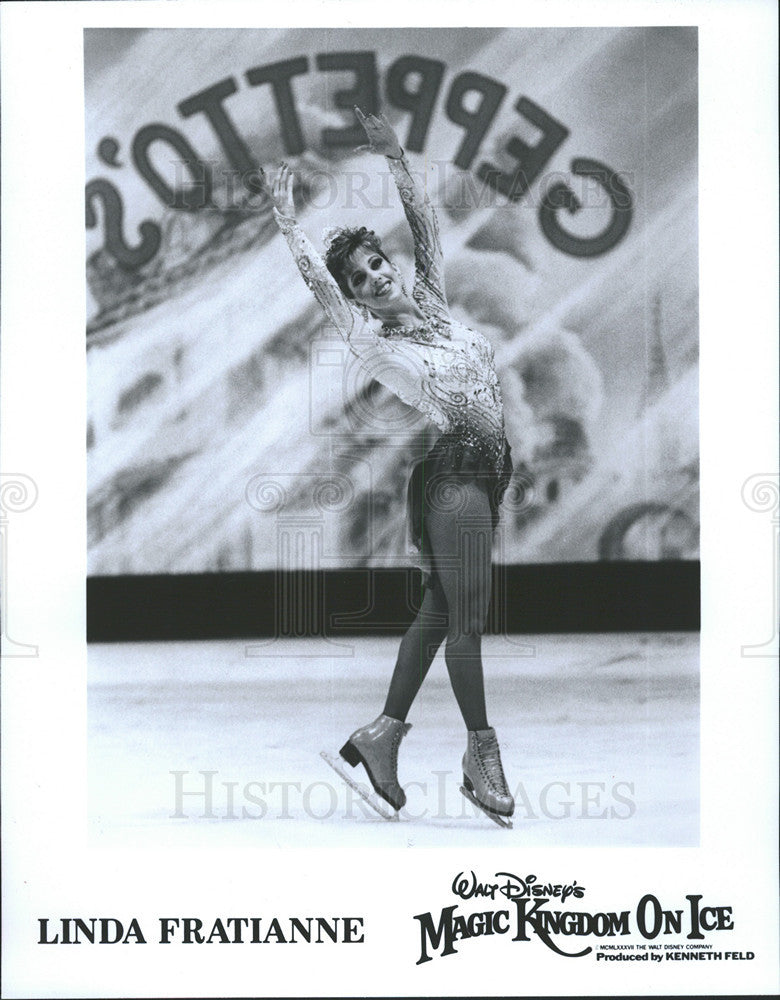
(380, 134)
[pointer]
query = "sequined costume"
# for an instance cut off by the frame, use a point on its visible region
(440, 367)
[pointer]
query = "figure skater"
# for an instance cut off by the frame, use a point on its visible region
(446, 371)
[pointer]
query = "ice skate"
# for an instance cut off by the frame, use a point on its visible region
(484, 783)
(362, 791)
(375, 746)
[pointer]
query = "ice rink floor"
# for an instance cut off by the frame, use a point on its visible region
(599, 737)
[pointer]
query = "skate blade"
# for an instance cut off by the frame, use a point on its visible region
(503, 821)
(370, 798)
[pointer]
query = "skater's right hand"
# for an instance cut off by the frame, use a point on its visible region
(380, 134)
(281, 191)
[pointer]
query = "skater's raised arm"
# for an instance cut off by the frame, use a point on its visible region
(403, 375)
(340, 312)
(420, 213)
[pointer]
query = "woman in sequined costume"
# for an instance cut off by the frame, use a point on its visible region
(446, 371)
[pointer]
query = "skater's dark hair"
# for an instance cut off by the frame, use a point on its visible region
(340, 248)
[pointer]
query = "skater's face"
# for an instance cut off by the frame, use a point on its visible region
(374, 282)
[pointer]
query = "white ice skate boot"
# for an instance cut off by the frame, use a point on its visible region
(375, 746)
(484, 783)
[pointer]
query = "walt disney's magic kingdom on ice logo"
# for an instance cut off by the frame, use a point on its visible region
(529, 914)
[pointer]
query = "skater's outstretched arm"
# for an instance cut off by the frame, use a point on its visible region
(420, 213)
(381, 359)
(342, 314)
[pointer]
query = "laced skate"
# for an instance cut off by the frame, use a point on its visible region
(484, 783)
(375, 746)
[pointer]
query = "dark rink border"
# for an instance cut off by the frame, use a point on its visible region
(571, 597)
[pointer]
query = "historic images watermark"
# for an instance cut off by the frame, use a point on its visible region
(209, 795)
(304, 511)
(219, 188)
(761, 493)
(18, 493)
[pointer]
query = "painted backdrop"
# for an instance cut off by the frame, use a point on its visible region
(228, 428)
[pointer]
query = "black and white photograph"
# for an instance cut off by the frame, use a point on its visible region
(401, 479)
(354, 344)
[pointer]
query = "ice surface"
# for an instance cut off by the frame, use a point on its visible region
(606, 723)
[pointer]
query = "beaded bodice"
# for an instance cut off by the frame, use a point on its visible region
(439, 366)
(459, 380)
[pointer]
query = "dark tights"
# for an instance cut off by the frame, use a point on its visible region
(458, 526)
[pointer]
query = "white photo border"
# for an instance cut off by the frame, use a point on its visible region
(49, 870)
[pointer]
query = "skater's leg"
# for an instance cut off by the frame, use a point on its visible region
(462, 548)
(375, 746)
(462, 541)
(417, 650)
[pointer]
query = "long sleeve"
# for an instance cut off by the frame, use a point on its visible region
(393, 364)
(428, 257)
(347, 320)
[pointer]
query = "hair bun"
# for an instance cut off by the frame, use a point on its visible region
(351, 234)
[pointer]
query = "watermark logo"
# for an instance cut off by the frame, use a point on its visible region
(304, 509)
(309, 516)
(591, 186)
(206, 794)
(18, 493)
(761, 493)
